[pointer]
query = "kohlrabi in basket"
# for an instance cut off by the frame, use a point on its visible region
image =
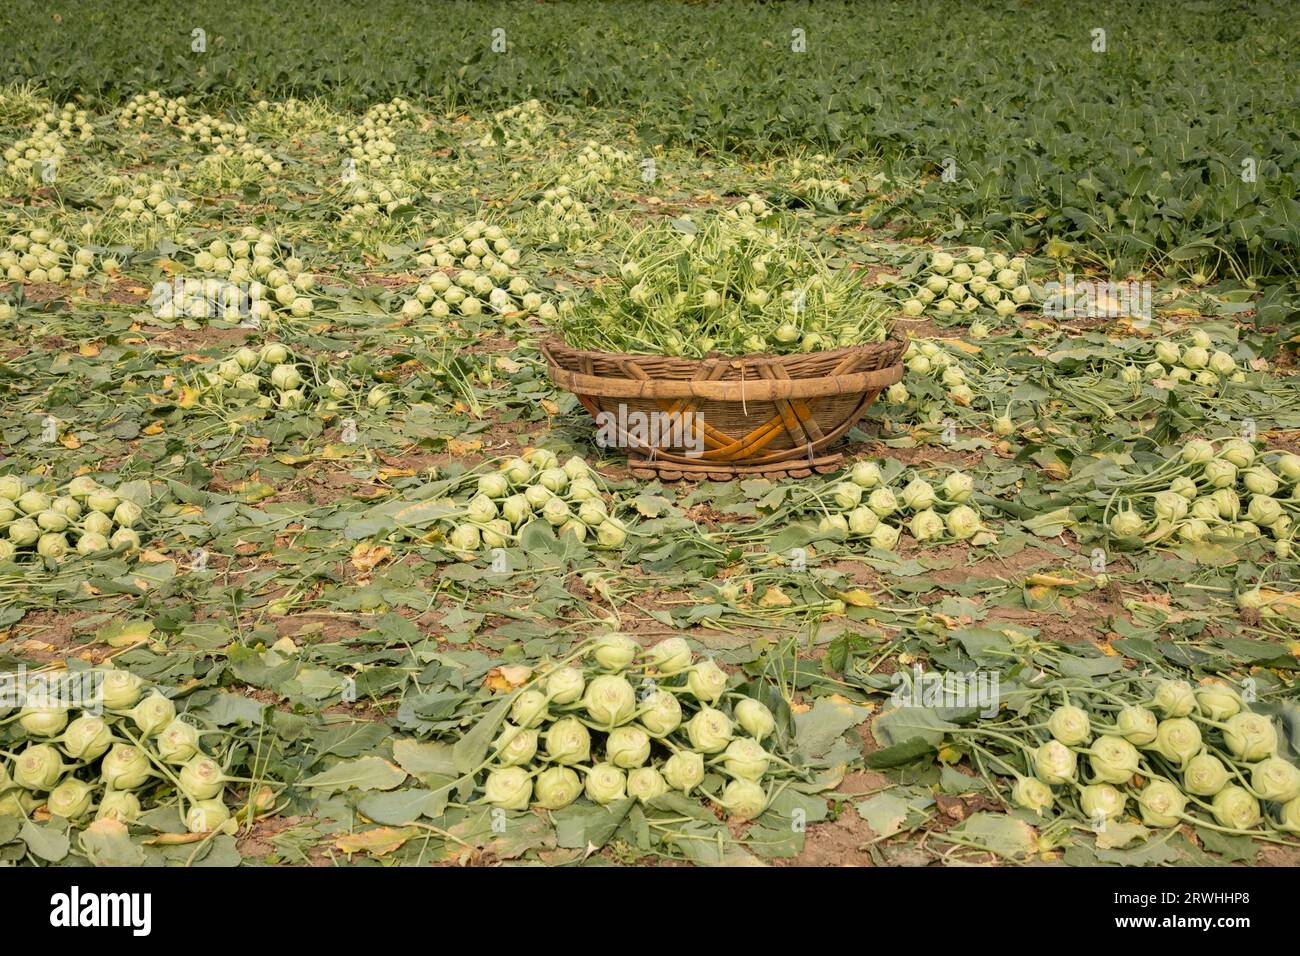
(732, 288)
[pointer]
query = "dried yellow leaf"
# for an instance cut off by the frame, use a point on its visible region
(462, 446)
(366, 556)
(376, 842)
(857, 598)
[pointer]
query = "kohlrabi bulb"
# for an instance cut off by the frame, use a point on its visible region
(1174, 698)
(529, 709)
(746, 759)
(177, 742)
(1101, 801)
(509, 788)
(1217, 701)
(755, 718)
(1054, 763)
(684, 770)
(605, 783)
(556, 788)
(627, 746)
(610, 700)
(1070, 725)
(962, 522)
(1233, 807)
(706, 680)
(201, 778)
(709, 730)
(919, 495)
(614, 651)
(1137, 725)
(1161, 804)
(1250, 736)
(671, 656)
(1112, 759)
(646, 784)
(121, 805)
(38, 767)
(865, 474)
(565, 685)
(1205, 774)
(43, 721)
(87, 738)
(71, 799)
(152, 714)
(205, 816)
(742, 799)
(1178, 740)
(1030, 793)
(567, 741)
(1276, 779)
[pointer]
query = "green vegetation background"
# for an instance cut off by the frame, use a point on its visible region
(1134, 156)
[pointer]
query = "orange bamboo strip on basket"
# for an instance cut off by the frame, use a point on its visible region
(790, 420)
(711, 435)
(798, 419)
(764, 434)
(802, 409)
(757, 440)
(787, 414)
(844, 365)
(830, 437)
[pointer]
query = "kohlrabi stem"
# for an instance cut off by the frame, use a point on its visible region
(166, 770)
(988, 733)
(996, 758)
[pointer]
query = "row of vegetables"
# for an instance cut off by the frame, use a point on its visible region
(1211, 491)
(491, 510)
(120, 749)
(1177, 753)
(617, 721)
(83, 516)
(1225, 492)
(866, 505)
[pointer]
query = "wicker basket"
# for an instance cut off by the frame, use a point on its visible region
(772, 415)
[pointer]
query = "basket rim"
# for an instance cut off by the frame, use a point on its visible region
(735, 391)
(897, 339)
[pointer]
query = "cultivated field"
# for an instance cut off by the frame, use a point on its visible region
(286, 488)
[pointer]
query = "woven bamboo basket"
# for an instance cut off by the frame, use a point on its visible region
(771, 415)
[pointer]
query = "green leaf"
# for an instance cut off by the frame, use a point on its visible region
(108, 843)
(418, 758)
(1117, 834)
(905, 724)
(350, 740)
(998, 832)
(469, 752)
(365, 773)
(889, 813)
(899, 755)
(45, 842)
(577, 826)
(399, 807)
(1231, 847)
(816, 730)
